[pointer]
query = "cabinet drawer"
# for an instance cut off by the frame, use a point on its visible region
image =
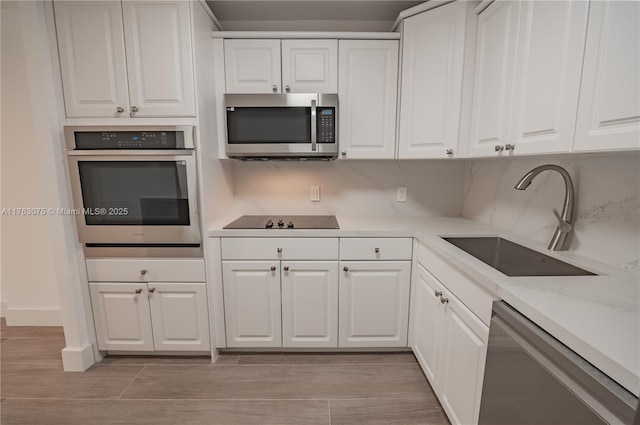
(157, 270)
(279, 248)
(376, 248)
(469, 292)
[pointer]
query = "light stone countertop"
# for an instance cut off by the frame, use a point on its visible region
(596, 316)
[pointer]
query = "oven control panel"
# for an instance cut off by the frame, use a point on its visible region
(129, 139)
(326, 125)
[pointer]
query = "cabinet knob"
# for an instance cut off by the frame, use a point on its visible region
(444, 300)
(449, 151)
(138, 291)
(498, 148)
(279, 250)
(286, 268)
(346, 269)
(344, 153)
(143, 272)
(134, 109)
(437, 294)
(509, 147)
(273, 268)
(152, 290)
(377, 250)
(287, 89)
(119, 109)
(274, 88)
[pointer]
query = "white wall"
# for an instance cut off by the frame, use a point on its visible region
(607, 194)
(349, 187)
(27, 263)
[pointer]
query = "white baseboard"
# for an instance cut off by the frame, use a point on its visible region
(32, 317)
(77, 359)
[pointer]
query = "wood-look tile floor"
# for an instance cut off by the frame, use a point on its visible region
(241, 389)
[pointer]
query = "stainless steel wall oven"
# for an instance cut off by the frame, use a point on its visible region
(134, 190)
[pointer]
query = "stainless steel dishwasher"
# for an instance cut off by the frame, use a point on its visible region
(532, 378)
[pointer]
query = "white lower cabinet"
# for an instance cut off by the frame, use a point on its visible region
(374, 303)
(150, 316)
(450, 343)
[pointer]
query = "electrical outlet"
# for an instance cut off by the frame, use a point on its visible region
(315, 193)
(402, 194)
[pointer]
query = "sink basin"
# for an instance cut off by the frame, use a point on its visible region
(513, 259)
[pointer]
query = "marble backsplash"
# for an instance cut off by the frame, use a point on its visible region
(607, 198)
(349, 187)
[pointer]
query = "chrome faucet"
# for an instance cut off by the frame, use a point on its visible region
(560, 239)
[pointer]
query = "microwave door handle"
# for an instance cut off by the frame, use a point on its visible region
(314, 131)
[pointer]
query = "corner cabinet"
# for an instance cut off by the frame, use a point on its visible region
(149, 305)
(434, 49)
(368, 92)
(609, 110)
(130, 58)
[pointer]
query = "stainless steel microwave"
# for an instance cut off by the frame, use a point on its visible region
(288, 126)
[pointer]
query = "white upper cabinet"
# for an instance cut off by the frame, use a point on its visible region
(367, 89)
(495, 62)
(547, 75)
(609, 110)
(126, 59)
(433, 62)
(252, 66)
(92, 58)
(310, 66)
(159, 58)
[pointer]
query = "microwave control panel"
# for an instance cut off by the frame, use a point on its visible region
(326, 125)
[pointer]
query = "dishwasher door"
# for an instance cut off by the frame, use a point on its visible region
(532, 378)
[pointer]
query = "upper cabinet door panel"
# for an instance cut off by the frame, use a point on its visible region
(92, 58)
(368, 91)
(495, 53)
(252, 66)
(432, 72)
(547, 77)
(310, 66)
(609, 110)
(159, 58)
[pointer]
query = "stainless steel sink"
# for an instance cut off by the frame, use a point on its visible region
(513, 259)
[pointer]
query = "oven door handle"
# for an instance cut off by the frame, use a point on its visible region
(314, 131)
(131, 152)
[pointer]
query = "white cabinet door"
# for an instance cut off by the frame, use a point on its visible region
(368, 90)
(159, 58)
(179, 316)
(495, 62)
(609, 110)
(432, 72)
(547, 77)
(252, 66)
(121, 315)
(310, 303)
(427, 317)
(374, 303)
(252, 303)
(310, 66)
(92, 58)
(463, 350)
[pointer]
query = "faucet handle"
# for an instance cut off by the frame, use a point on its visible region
(563, 226)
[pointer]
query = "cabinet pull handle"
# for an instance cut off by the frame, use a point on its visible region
(288, 88)
(377, 250)
(449, 151)
(444, 300)
(274, 88)
(286, 268)
(437, 294)
(344, 153)
(273, 268)
(119, 109)
(152, 290)
(143, 272)
(138, 291)
(279, 250)
(346, 269)
(498, 148)
(134, 109)
(509, 147)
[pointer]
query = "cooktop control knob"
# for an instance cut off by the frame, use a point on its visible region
(280, 223)
(269, 224)
(290, 225)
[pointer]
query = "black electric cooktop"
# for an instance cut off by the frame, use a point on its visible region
(284, 222)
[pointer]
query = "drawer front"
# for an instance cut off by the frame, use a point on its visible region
(147, 270)
(472, 295)
(279, 248)
(376, 248)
